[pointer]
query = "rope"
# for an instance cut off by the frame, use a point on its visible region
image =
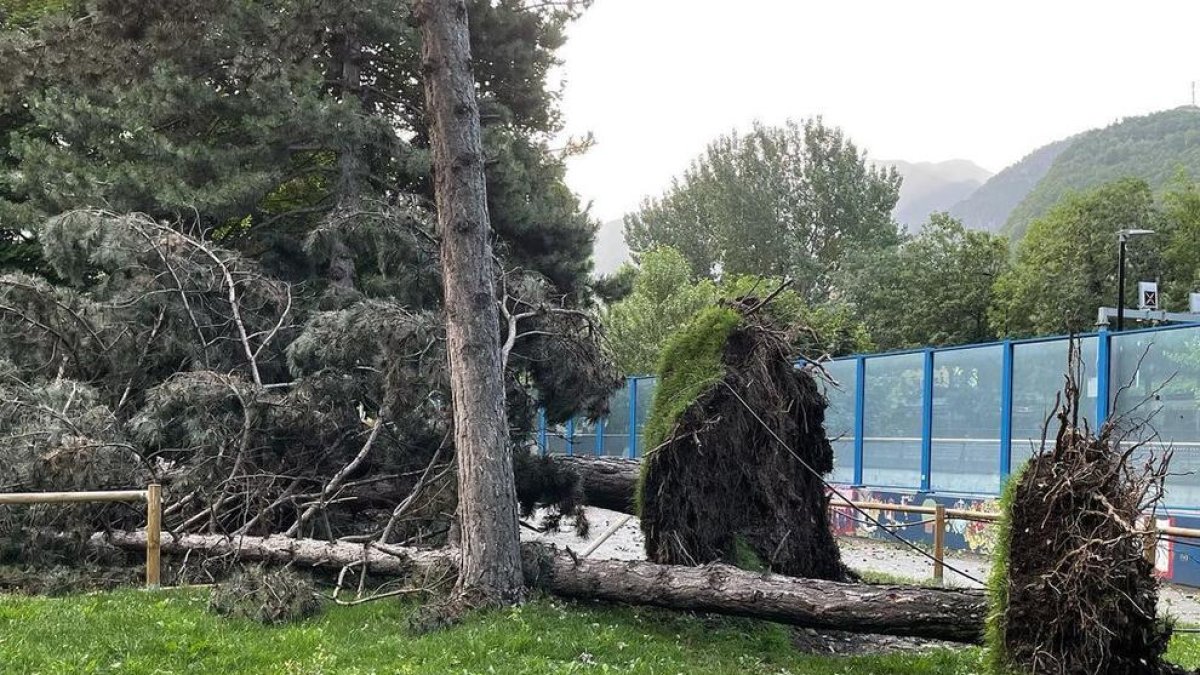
(837, 492)
(1176, 540)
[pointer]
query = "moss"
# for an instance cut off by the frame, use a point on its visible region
(745, 557)
(997, 585)
(690, 364)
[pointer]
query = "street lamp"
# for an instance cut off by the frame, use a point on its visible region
(1122, 237)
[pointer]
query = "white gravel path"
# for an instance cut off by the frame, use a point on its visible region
(1182, 602)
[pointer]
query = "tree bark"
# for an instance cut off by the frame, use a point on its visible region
(608, 482)
(490, 572)
(937, 613)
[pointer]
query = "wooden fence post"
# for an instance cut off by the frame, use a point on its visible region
(1150, 546)
(153, 534)
(939, 541)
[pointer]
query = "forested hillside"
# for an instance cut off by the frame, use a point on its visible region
(1154, 148)
(988, 207)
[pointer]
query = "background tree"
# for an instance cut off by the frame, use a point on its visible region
(791, 201)
(934, 289)
(665, 297)
(277, 124)
(1181, 243)
(1066, 265)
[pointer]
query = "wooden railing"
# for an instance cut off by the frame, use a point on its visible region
(152, 495)
(941, 514)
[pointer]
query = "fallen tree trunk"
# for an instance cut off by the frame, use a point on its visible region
(608, 482)
(893, 610)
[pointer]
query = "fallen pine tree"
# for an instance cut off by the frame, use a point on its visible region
(943, 614)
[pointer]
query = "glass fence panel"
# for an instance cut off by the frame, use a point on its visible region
(645, 397)
(892, 421)
(556, 439)
(616, 425)
(965, 449)
(1156, 399)
(1155, 383)
(839, 416)
(585, 436)
(1039, 369)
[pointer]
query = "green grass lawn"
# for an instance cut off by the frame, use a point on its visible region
(172, 632)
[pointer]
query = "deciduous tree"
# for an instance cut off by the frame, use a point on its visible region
(790, 201)
(665, 297)
(1066, 265)
(934, 289)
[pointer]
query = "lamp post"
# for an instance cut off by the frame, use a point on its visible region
(1122, 237)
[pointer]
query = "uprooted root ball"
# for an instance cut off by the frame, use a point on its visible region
(718, 483)
(1072, 590)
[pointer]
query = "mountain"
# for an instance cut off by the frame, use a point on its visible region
(932, 186)
(610, 249)
(1155, 148)
(989, 207)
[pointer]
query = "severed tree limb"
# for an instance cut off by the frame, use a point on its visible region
(285, 496)
(336, 481)
(403, 506)
(938, 613)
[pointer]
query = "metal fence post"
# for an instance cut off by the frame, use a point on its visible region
(631, 382)
(927, 422)
(571, 436)
(153, 534)
(860, 400)
(1006, 411)
(599, 449)
(1103, 370)
(541, 432)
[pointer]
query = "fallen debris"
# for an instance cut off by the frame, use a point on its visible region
(942, 614)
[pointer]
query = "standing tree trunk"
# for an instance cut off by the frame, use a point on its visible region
(345, 69)
(490, 572)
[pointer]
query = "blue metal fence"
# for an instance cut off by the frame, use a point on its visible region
(959, 420)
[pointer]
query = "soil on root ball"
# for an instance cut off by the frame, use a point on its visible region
(1072, 589)
(736, 452)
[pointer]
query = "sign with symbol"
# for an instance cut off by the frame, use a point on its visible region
(1147, 295)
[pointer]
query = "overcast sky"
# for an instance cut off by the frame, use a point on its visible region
(919, 80)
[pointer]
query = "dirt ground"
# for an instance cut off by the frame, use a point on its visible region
(863, 555)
